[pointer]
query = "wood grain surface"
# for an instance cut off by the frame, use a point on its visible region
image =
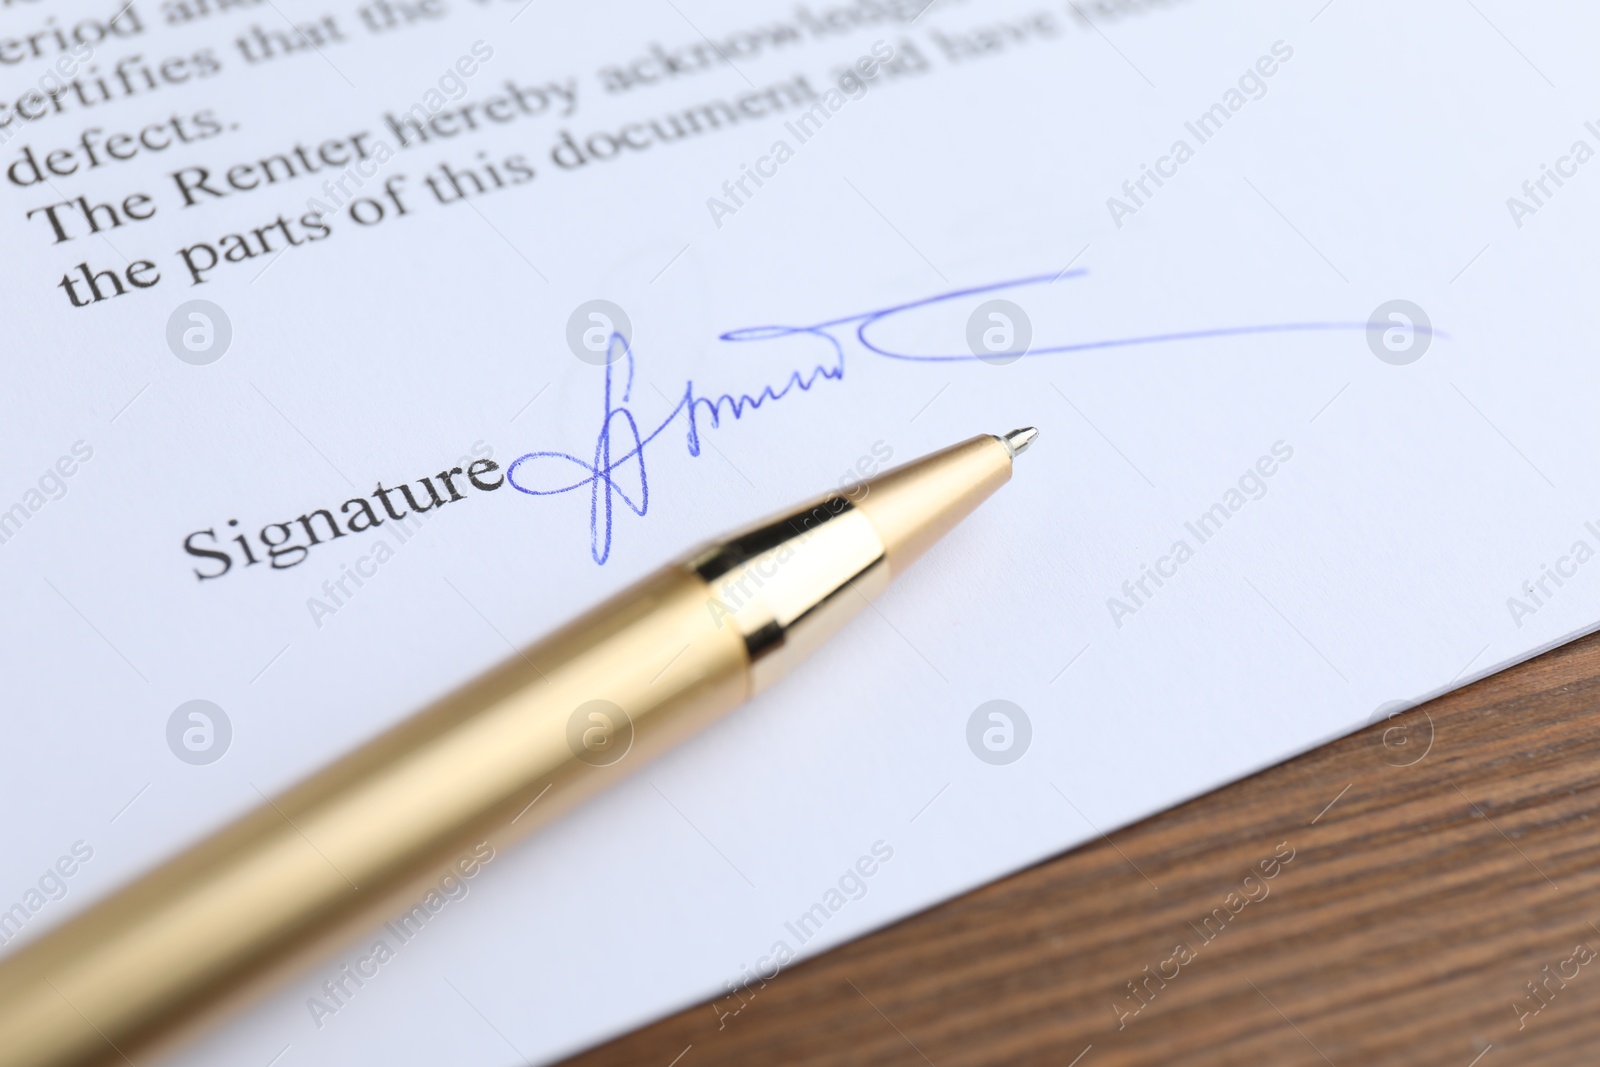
(1445, 862)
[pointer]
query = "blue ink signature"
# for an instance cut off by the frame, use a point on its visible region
(619, 450)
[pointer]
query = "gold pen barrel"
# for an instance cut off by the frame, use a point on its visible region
(356, 836)
(494, 759)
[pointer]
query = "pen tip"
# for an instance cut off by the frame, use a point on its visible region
(1017, 441)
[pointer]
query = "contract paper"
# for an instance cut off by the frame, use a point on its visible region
(353, 343)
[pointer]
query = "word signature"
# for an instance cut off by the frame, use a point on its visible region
(616, 470)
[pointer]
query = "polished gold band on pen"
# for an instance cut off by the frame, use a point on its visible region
(790, 584)
(496, 758)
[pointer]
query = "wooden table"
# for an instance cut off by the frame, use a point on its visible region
(1442, 861)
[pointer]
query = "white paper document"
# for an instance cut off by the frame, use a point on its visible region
(308, 419)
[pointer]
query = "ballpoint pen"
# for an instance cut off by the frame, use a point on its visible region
(632, 677)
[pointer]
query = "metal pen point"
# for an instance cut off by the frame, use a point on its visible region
(560, 720)
(1019, 440)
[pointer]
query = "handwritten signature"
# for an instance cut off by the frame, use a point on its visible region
(616, 470)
